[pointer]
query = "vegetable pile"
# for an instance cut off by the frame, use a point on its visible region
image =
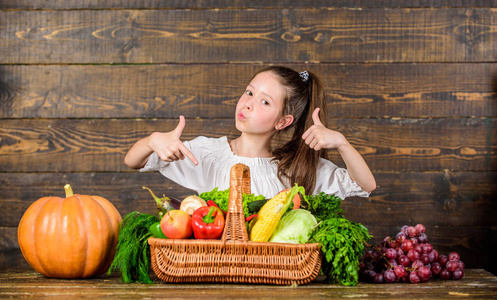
(281, 219)
(221, 199)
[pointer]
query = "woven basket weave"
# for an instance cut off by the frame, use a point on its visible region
(234, 258)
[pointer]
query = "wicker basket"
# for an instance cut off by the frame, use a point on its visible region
(234, 258)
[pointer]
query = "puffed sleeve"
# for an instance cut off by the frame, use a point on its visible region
(334, 180)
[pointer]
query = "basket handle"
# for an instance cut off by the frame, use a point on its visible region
(235, 219)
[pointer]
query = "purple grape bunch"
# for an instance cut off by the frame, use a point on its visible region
(408, 257)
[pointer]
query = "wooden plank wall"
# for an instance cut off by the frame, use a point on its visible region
(412, 84)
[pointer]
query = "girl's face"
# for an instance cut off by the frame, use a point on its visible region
(259, 109)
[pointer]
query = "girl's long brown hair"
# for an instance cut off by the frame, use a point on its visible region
(297, 163)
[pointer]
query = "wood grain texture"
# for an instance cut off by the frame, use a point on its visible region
(432, 198)
(267, 35)
(211, 91)
(22, 284)
(225, 4)
(99, 145)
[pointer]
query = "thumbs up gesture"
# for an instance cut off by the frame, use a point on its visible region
(319, 137)
(168, 145)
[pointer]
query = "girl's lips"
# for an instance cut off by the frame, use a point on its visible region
(241, 117)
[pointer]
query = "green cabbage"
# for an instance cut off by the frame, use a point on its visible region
(295, 227)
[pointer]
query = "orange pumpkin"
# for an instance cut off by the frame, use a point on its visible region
(72, 237)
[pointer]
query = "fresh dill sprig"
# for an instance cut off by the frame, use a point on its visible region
(132, 256)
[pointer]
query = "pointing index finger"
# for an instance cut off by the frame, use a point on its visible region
(188, 154)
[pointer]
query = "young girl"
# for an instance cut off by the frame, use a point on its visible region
(276, 99)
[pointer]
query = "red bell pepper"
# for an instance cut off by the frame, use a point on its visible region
(208, 222)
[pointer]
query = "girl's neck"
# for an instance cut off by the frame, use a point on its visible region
(251, 146)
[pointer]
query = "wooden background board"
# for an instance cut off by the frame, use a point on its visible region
(226, 4)
(99, 145)
(239, 35)
(411, 84)
(206, 90)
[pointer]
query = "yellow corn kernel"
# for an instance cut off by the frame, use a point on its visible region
(268, 217)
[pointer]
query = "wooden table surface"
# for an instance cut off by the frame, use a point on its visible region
(18, 284)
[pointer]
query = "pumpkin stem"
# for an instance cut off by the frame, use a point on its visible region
(68, 190)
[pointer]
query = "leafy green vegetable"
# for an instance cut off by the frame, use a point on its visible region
(324, 206)
(221, 198)
(342, 241)
(294, 227)
(132, 256)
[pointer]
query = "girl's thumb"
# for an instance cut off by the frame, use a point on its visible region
(315, 117)
(181, 125)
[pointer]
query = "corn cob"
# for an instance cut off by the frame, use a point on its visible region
(271, 213)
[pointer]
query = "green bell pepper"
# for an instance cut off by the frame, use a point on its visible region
(156, 231)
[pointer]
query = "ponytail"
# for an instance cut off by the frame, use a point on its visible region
(297, 162)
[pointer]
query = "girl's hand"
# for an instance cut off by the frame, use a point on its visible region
(168, 145)
(319, 137)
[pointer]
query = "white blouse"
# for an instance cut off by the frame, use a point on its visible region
(216, 159)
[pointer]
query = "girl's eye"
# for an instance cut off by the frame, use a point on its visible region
(248, 93)
(265, 102)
